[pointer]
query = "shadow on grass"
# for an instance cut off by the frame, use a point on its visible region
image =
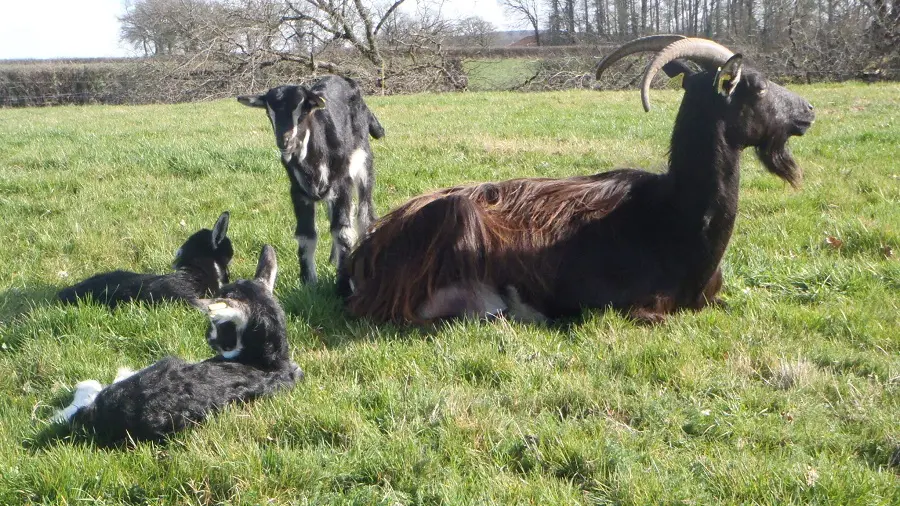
(17, 301)
(331, 326)
(52, 434)
(58, 434)
(322, 311)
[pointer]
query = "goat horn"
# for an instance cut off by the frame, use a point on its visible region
(706, 52)
(651, 43)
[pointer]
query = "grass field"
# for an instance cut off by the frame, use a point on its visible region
(791, 395)
(499, 74)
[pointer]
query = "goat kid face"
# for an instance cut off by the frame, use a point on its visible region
(289, 109)
(759, 113)
(245, 304)
(208, 244)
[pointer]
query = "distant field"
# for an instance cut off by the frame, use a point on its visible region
(791, 395)
(499, 74)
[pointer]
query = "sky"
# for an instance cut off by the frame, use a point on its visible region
(90, 28)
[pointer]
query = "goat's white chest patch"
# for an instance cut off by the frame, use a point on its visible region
(323, 174)
(357, 165)
(304, 146)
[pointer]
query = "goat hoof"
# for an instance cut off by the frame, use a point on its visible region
(344, 288)
(308, 278)
(298, 373)
(719, 303)
(333, 256)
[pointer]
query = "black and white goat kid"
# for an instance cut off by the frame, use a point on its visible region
(201, 268)
(247, 329)
(323, 134)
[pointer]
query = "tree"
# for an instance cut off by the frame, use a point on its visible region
(525, 10)
(151, 25)
(476, 31)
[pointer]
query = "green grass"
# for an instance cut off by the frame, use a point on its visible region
(791, 395)
(499, 74)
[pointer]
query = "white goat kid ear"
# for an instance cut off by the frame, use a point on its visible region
(220, 229)
(252, 100)
(217, 309)
(214, 308)
(267, 268)
(729, 75)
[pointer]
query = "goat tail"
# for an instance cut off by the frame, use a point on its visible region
(429, 243)
(375, 128)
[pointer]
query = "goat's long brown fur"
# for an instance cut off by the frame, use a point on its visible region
(485, 232)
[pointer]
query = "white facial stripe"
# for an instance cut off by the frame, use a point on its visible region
(271, 115)
(305, 146)
(295, 115)
(219, 275)
(229, 314)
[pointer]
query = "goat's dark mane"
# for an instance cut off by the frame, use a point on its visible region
(519, 217)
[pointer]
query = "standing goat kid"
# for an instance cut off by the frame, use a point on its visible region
(247, 330)
(323, 135)
(643, 243)
(201, 268)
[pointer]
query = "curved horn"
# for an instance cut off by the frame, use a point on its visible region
(651, 43)
(703, 51)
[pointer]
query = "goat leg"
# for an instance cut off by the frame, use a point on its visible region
(709, 296)
(343, 236)
(305, 213)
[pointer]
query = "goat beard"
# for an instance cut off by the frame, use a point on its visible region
(778, 160)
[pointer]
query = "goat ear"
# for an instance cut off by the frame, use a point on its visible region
(220, 229)
(729, 75)
(267, 268)
(210, 306)
(252, 100)
(316, 99)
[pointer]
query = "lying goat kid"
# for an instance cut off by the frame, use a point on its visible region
(201, 268)
(247, 329)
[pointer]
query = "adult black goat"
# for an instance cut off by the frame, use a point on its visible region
(643, 243)
(201, 268)
(247, 330)
(323, 134)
